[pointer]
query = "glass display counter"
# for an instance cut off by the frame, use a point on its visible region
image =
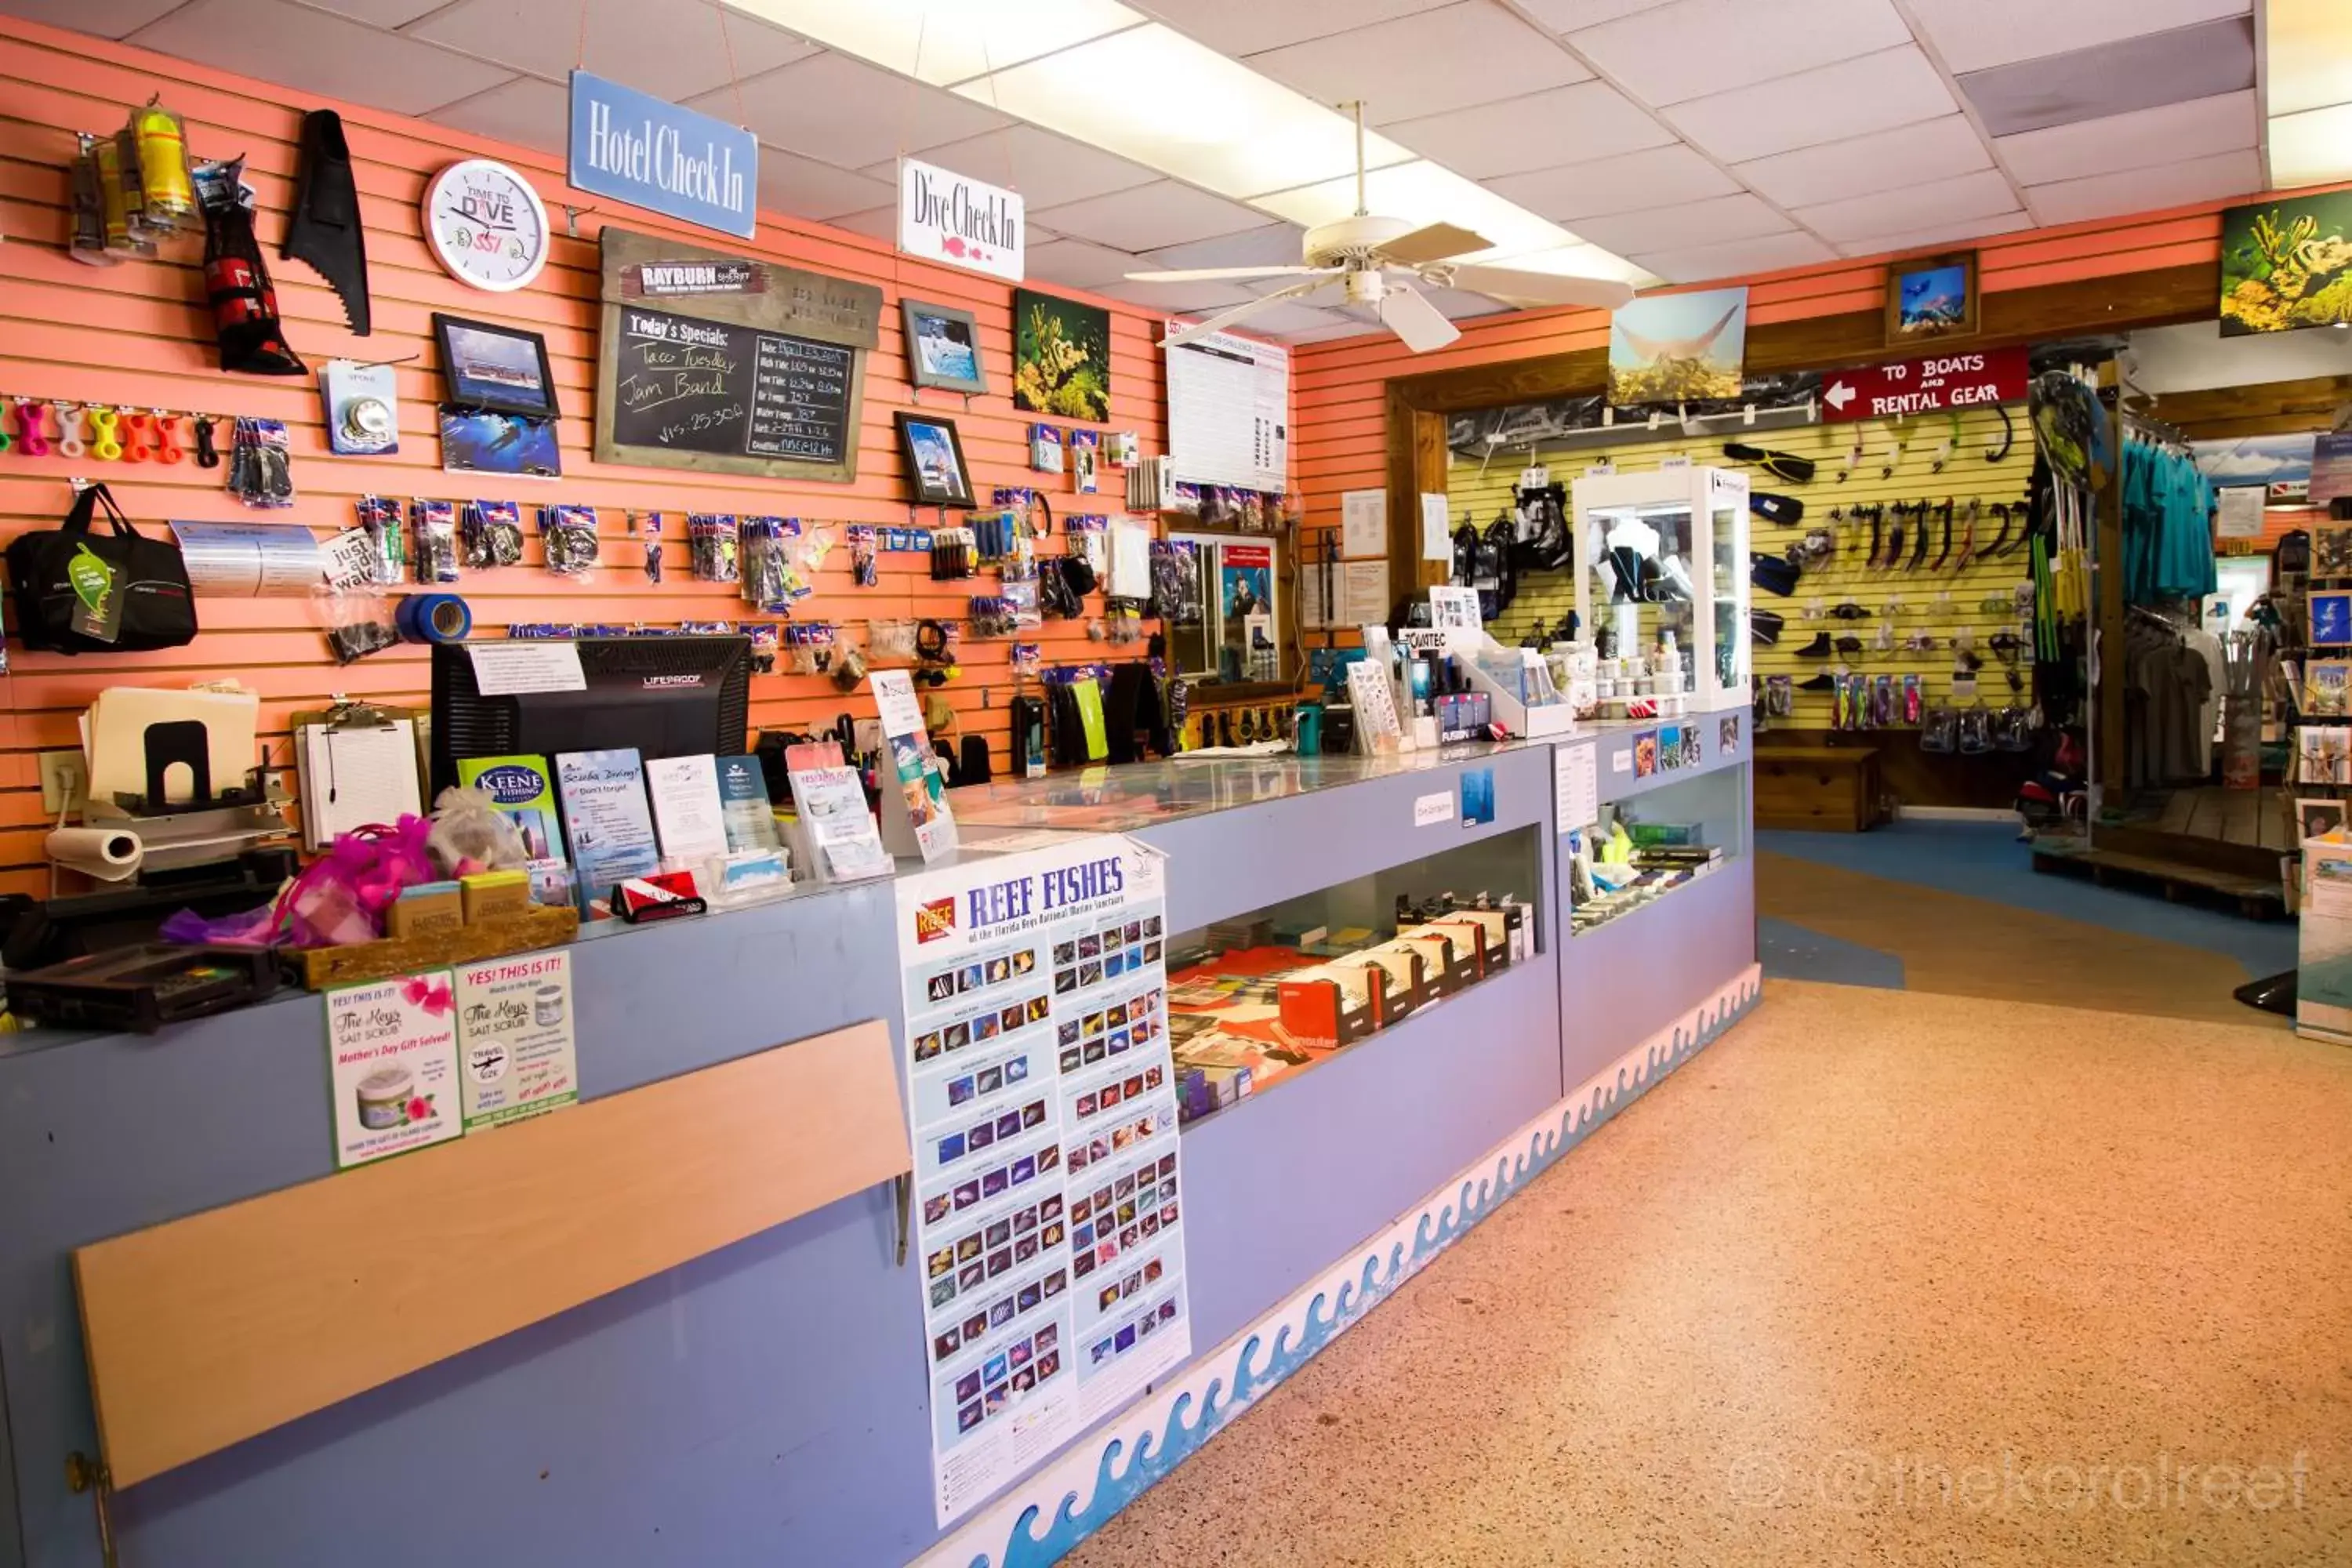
(1256, 999)
(1650, 845)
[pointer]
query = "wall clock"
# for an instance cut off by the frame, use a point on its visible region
(487, 225)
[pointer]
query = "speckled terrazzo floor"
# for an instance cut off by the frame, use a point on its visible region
(1880, 1277)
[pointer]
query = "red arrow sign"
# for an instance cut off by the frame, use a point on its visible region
(1975, 379)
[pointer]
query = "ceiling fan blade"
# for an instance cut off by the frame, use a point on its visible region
(1224, 319)
(1434, 243)
(1212, 274)
(1421, 324)
(1516, 287)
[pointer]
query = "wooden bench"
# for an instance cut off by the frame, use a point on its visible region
(1823, 789)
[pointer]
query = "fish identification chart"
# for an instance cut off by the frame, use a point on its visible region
(1043, 1104)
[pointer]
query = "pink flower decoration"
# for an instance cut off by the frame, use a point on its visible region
(419, 1108)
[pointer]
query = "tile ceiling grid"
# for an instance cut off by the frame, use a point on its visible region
(1613, 69)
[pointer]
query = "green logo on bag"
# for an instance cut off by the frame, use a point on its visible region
(92, 579)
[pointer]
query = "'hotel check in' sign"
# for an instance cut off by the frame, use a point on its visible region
(651, 154)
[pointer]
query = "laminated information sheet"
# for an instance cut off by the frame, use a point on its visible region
(1042, 1103)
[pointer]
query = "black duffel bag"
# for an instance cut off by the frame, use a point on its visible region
(81, 591)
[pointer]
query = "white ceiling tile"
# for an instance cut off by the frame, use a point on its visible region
(330, 56)
(1148, 217)
(1766, 253)
(1045, 168)
(376, 13)
(1585, 120)
(107, 18)
(526, 112)
(1074, 264)
(2146, 189)
(803, 188)
(1973, 34)
(1931, 150)
(1474, 52)
(1273, 244)
(1662, 175)
(2310, 147)
(1694, 48)
(1248, 27)
(1921, 205)
(670, 48)
(1737, 217)
(2221, 123)
(1570, 16)
(1193, 299)
(1853, 98)
(846, 112)
(875, 223)
(1939, 233)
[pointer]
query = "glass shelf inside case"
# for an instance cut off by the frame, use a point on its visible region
(1261, 997)
(1647, 848)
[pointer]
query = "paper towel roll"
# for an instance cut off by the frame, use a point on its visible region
(109, 854)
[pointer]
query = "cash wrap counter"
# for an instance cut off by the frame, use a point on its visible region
(760, 1396)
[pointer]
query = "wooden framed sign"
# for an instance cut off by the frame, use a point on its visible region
(729, 364)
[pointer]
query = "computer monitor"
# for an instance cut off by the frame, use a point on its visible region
(667, 696)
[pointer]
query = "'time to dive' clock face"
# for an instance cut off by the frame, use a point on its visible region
(487, 225)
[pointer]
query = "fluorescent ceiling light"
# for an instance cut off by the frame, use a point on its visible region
(1578, 261)
(1155, 96)
(944, 41)
(2312, 148)
(2307, 54)
(1099, 73)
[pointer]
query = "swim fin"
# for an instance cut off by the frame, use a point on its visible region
(324, 231)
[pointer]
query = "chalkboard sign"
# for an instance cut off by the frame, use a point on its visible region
(764, 380)
(681, 384)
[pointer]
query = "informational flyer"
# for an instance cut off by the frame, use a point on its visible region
(391, 1058)
(1043, 1102)
(516, 1052)
(915, 816)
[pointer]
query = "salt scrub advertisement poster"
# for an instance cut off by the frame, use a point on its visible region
(515, 1038)
(1042, 1099)
(392, 1056)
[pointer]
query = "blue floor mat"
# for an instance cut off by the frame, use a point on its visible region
(1986, 860)
(1794, 953)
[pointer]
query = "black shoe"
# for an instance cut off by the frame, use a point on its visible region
(1817, 649)
(1849, 645)
(1825, 682)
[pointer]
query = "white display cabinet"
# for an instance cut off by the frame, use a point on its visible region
(1658, 555)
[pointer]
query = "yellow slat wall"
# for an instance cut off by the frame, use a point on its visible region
(1939, 603)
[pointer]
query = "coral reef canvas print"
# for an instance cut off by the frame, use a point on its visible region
(2286, 265)
(1061, 357)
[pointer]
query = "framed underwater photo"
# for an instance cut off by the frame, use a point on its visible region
(1931, 298)
(2286, 265)
(1061, 357)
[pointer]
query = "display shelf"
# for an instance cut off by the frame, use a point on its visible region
(1689, 815)
(1257, 1000)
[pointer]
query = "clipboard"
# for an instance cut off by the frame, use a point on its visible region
(358, 763)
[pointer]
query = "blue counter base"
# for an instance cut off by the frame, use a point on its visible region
(1084, 1489)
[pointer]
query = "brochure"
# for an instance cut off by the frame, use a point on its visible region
(605, 823)
(685, 792)
(842, 844)
(743, 799)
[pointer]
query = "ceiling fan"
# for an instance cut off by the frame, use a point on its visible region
(1358, 254)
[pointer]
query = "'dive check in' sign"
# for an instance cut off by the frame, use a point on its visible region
(1975, 379)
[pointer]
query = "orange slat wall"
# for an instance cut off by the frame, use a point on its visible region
(140, 334)
(1340, 440)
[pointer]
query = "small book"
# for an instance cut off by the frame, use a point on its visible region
(606, 823)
